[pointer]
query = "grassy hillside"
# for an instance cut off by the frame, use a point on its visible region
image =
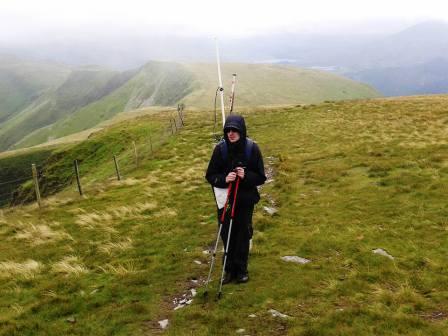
(347, 178)
(262, 84)
(160, 84)
(22, 82)
(92, 95)
(81, 88)
(16, 169)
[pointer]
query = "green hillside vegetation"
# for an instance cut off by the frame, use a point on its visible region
(263, 84)
(22, 82)
(159, 84)
(16, 169)
(81, 88)
(55, 162)
(92, 95)
(347, 178)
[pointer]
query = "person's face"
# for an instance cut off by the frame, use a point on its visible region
(233, 135)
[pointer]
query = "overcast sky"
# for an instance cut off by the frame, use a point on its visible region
(22, 18)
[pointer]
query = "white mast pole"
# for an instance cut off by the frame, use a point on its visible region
(232, 95)
(221, 89)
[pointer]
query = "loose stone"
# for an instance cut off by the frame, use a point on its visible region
(383, 253)
(276, 313)
(295, 259)
(270, 210)
(163, 324)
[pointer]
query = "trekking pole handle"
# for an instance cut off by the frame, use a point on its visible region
(234, 197)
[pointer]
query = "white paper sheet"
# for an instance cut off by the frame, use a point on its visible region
(220, 196)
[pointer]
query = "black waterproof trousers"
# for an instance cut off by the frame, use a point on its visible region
(238, 254)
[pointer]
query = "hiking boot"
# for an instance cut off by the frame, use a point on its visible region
(242, 278)
(228, 277)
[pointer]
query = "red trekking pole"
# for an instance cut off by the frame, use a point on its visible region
(229, 190)
(228, 237)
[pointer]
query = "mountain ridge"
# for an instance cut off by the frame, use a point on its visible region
(90, 95)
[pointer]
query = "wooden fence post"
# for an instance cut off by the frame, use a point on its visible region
(182, 107)
(175, 125)
(36, 184)
(171, 126)
(78, 180)
(117, 169)
(179, 112)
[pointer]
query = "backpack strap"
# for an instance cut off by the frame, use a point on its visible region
(223, 149)
(247, 151)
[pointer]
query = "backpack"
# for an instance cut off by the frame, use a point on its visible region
(247, 151)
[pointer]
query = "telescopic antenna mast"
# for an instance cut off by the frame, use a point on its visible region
(220, 88)
(232, 95)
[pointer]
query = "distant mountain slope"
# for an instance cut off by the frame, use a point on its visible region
(91, 95)
(21, 82)
(155, 84)
(265, 84)
(418, 44)
(418, 79)
(353, 51)
(82, 87)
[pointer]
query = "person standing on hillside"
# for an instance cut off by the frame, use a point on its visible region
(237, 157)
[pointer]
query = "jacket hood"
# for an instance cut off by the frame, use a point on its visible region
(237, 122)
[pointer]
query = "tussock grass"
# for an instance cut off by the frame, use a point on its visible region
(94, 219)
(40, 234)
(112, 247)
(127, 182)
(166, 212)
(55, 201)
(139, 208)
(69, 265)
(107, 221)
(120, 269)
(27, 269)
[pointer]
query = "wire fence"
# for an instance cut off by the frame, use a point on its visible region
(89, 165)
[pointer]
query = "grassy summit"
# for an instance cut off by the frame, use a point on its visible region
(348, 178)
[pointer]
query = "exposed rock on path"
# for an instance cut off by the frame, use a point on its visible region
(383, 253)
(270, 210)
(276, 313)
(295, 259)
(163, 324)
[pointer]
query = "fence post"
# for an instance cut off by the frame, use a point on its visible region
(117, 169)
(171, 126)
(175, 125)
(182, 107)
(179, 112)
(36, 184)
(135, 153)
(78, 180)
